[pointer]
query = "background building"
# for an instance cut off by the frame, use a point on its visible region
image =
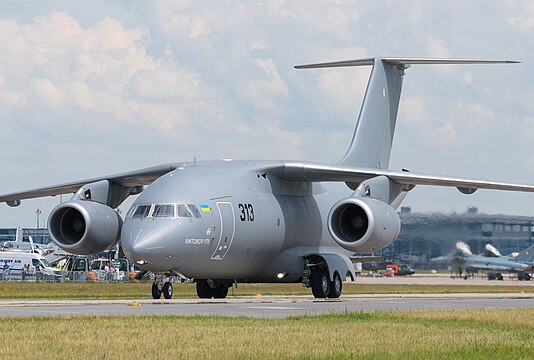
(39, 236)
(428, 235)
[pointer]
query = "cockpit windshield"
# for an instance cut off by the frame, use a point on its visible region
(182, 211)
(141, 211)
(194, 210)
(163, 211)
(169, 211)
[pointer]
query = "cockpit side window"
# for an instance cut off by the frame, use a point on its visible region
(141, 211)
(131, 211)
(182, 211)
(163, 211)
(194, 210)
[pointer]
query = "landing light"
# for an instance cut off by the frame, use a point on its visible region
(141, 262)
(281, 275)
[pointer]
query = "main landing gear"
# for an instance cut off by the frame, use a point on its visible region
(207, 289)
(495, 276)
(523, 276)
(322, 287)
(161, 287)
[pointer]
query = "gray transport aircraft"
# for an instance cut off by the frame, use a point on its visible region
(225, 222)
(464, 262)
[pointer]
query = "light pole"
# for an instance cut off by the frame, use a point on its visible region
(38, 212)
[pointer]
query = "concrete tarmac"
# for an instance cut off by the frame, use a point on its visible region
(265, 306)
(442, 279)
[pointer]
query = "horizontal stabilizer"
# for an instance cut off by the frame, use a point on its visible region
(401, 61)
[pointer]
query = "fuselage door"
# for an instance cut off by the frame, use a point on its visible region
(226, 214)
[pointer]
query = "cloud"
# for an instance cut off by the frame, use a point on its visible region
(414, 110)
(268, 91)
(197, 26)
(467, 78)
(445, 134)
(56, 62)
(436, 48)
(167, 82)
(525, 21)
(104, 69)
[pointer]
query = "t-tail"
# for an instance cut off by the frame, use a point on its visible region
(373, 137)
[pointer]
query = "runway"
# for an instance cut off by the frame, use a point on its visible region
(264, 307)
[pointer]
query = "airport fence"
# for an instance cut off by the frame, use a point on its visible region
(65, 276)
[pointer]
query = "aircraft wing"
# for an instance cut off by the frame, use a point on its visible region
(317, 172)
(127, 179)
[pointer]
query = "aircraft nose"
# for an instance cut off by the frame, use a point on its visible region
(141, 244)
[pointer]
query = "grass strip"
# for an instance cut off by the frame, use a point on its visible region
(84, 291)
(473, 334)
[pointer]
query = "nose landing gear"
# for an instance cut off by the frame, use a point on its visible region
(162, 287)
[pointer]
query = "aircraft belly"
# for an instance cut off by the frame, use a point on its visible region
(245, 259)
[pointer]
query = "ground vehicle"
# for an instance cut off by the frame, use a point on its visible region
(17, 264)
(400, 269)
(80, 268)
(111, 270)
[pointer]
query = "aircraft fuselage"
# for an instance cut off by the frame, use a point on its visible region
(249, 226)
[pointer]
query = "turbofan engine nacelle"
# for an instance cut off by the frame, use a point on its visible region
(84, 227)
(363, 224)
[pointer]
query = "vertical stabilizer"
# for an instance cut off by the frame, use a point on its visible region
(526, 255)
(373, 137)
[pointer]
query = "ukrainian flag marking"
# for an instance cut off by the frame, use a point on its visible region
(205, 208)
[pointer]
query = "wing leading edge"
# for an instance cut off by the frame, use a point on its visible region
(293, 171)
(130, 179)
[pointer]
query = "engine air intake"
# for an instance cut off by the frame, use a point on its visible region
(362, 224)
(84, 227)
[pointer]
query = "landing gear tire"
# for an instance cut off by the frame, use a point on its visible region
(220, 292)
(156, 292)
(491, 276)
(499, 276)
(320, 284)
(335, 287)
(204, 290)
(167, 290)
(523, 276)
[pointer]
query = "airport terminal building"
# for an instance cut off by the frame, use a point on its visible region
(428, 235)
(39, 236)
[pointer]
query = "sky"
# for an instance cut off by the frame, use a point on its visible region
(101, 87)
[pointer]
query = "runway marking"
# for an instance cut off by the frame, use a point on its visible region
(272, 308)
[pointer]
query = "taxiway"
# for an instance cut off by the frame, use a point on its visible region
(264, 307)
